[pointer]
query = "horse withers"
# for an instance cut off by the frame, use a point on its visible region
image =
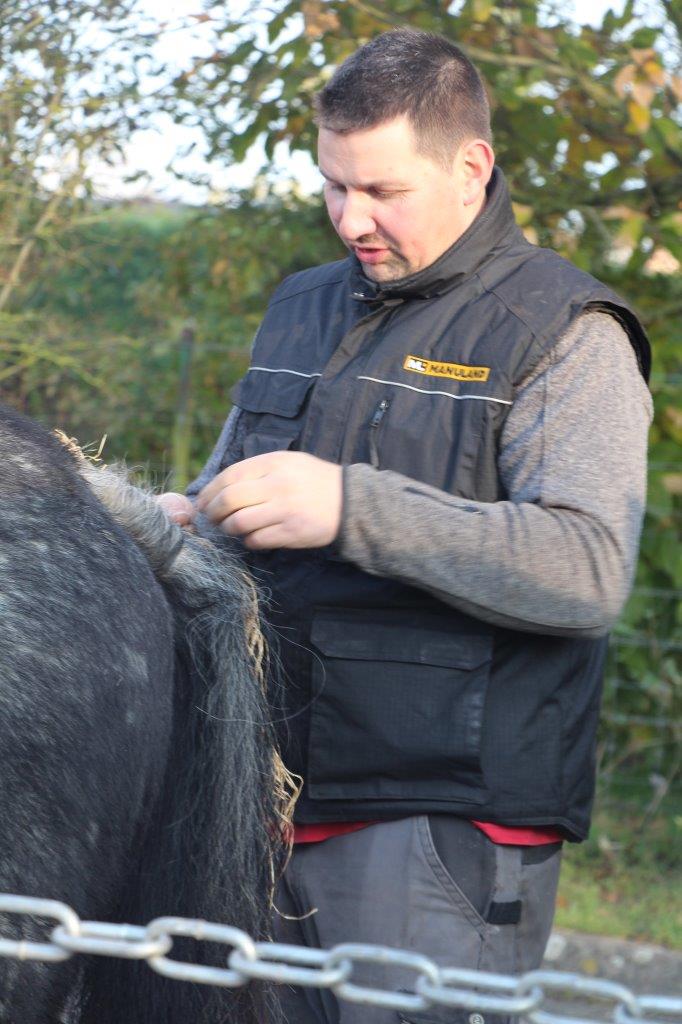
(138, 777)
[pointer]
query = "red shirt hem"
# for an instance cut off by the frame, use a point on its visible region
(502, 834)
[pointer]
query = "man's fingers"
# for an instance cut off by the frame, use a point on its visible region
(211, 491)
(266, 539)
(234, 497)
(240, 472)
(250, 520)
(298, 498)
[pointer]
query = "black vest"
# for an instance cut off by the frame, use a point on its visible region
(394, 703)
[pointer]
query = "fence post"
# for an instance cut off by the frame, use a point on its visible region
(182, 431)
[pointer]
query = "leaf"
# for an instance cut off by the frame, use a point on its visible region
(623, 79)
(672, 134)
(619, 213)
(662, 261)
(482, 9)
(644, 38)
(654, 72)
(317, 20)
(673, 221)
(523, 46)
(523, 214)
(673, 416)
(672, 483)
(630, 231)
(276, 25)
(642, 56)
(643, 93)
(640, 118)
(219, 271)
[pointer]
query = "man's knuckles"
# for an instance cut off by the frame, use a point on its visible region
(227, 501)
(239, 473)
(242, 522)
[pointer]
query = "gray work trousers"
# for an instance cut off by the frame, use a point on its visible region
(432, 884)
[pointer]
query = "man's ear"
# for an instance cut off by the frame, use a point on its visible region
(477, 162)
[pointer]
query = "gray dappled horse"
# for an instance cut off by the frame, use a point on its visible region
(137, 775)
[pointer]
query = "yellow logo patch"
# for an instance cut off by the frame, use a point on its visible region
(455, 371)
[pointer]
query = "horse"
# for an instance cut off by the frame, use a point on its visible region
(139, 773)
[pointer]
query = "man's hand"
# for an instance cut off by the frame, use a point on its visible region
(177, 507)
(277, 500)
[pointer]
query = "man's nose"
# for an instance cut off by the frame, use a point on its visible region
(357, 217)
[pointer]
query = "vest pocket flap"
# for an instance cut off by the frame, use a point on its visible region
(398, 705)
(398, 642)
(279, 393)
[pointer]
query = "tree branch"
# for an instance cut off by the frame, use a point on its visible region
(27, 248)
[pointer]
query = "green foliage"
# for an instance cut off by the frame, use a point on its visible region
(69, 99)
(624, 881)
(65, 102)
(115, 309)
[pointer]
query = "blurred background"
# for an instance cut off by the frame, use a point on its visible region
(156, 183)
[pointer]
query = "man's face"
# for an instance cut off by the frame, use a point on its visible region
(395, 208)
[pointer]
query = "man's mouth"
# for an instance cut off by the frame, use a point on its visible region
(370, 254)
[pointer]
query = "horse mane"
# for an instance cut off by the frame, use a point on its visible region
(199, 569)
(225, 811)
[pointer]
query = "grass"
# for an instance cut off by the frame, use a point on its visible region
(626, 880)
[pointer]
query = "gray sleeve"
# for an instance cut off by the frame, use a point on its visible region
(559, 555)
(220, 456)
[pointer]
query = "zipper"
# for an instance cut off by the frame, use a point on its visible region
(374, 425)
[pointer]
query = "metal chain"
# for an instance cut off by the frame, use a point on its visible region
(481, 992)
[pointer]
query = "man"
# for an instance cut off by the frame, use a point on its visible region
(437, 463)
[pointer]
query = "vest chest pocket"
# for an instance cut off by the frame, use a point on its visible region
(276, 402)
(436, 438)
(397, 708)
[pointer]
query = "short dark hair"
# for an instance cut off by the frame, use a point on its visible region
(419, 74)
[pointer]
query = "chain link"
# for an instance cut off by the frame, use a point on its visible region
(460, 988)
(356, 952)
(667, 1006)
(202, 931)
(51, 909)
(577, 984)
(127, 941)
(470, 990)
(291, 965)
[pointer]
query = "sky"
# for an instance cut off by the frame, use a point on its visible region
(153, 149)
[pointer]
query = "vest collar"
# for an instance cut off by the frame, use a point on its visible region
(493, 229)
